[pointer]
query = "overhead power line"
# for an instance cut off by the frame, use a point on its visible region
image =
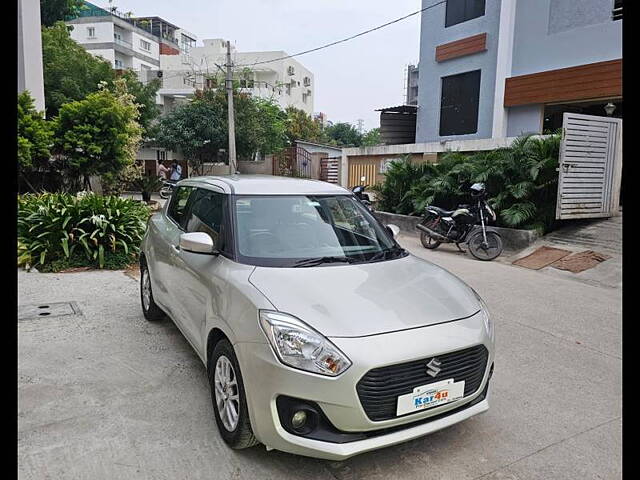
(346, 39)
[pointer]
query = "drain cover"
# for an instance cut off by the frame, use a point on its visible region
(47, 310)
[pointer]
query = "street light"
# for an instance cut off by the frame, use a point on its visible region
(609, 108)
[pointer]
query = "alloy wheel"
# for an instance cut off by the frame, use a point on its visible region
(146, 289)
(227, 393)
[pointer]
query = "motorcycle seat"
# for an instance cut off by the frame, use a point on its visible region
(440, 211)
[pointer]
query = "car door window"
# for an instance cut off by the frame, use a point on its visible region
(179, 203)
(208, 214)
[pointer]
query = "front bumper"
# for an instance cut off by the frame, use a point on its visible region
(265, 378)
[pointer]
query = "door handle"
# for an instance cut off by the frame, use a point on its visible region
(176, 248)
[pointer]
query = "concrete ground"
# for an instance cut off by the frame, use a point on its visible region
(103, 394)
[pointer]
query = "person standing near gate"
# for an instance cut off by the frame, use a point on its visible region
(176, 171)
(163, 171)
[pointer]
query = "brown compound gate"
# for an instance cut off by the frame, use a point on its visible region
(292, 162)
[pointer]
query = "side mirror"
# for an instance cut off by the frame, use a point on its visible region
(393, 229)
(197, 242)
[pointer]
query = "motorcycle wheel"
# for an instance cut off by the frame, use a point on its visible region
(428, 241)
(487, 252)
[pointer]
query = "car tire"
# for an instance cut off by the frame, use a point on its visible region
(152, 312)
(236, 430)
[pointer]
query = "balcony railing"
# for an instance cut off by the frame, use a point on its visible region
(119, 41)
(94, 11)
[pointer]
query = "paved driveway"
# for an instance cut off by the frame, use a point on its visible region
(103, 394)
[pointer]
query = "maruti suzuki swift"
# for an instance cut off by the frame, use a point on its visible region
(321, 336)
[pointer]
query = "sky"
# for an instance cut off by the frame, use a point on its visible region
(351, 79)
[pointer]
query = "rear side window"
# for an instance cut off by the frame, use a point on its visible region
(179, 202)
(209, 214)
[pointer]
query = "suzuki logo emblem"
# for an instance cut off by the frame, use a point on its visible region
(433, 367)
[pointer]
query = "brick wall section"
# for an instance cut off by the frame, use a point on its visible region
(584, 82)
(462, 47)
(168, 50)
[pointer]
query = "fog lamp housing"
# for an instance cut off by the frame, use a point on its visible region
(298, 419)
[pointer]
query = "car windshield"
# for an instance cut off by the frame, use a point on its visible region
(309, 230)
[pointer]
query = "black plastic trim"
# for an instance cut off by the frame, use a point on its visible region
(325, 431)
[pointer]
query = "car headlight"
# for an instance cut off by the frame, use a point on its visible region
(299, 346)
(484, 311)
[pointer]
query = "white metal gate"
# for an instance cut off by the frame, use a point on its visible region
(590, 167)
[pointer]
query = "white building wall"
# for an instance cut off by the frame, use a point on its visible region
(30, 51)
(107, 54)
(122, 61)
(154, 50)
(271, 79)
(103, 32)
(138, 64)
(122, 38)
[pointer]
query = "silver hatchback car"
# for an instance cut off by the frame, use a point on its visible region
(320, 334)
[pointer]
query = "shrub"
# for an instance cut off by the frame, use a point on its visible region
(521, 179)
(35, 135)
(99, 134)
(124, 180)
(58, 227)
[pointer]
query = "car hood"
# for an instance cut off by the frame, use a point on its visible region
(367, 299)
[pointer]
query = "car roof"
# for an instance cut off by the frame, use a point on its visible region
(242, 184)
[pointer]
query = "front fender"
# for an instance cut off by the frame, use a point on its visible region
(233, 309)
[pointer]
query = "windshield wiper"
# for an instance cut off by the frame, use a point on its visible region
(381, 255)
(311, 262)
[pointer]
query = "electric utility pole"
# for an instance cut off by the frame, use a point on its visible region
(231, 120)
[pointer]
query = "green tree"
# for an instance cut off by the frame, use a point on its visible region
(199, 128)
(300, 126)
(344, 134)
(70, 72)
(35, 135)
(100, 134)
(272, 126)
(196, 129)
(371, 138)
(145, 97)
(52, 11)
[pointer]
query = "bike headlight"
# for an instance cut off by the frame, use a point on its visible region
(484, 311)
(299, 346)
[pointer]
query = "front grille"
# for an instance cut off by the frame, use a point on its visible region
(379, 389)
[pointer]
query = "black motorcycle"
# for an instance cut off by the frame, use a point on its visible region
(359, 192)
(461, 225)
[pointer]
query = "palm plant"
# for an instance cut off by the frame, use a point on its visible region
(147, 184)
(522, 178)
(394, 194)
